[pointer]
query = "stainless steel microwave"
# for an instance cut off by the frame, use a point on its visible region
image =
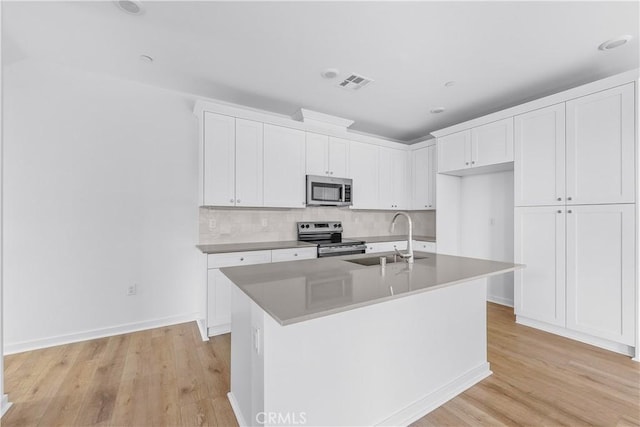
(326, 191)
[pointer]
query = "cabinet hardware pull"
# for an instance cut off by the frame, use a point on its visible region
(327, 172)
(295, 254)
(330, 173)
(473, 163)
(568, 198)
(559, 199)
(467, 163)
(569, 211)
(241, 259)
(559, 211)
(238, 201)
(231, 200)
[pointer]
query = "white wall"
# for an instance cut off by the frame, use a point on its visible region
(4, 399)
(100, 193)
(486, 226)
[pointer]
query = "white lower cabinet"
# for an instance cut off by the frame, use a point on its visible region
(219, 286)
(540, 288)
(293, 254)
(401, 245)
(580, 271)
(424, 246)
(601, 271)
(373, 248)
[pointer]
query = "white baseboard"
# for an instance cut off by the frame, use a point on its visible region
(500, 300)
(202, 327)
(19, 347)
(236, 410)
(577, 336)
(4, 405)
(428, 403)
(219, 330)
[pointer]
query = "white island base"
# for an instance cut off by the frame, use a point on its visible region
(388, 363)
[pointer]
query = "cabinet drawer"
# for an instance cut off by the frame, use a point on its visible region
(386, 246)
(424, 246)
(293, 254)
(232, 259)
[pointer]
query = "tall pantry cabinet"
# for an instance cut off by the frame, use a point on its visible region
(574, 182)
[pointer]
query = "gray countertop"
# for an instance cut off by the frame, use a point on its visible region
(296, 291)
(263, 246)
(253, 246)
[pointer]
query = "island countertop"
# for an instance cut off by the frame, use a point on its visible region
(296, 291)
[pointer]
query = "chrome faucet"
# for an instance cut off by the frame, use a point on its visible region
(407, 256)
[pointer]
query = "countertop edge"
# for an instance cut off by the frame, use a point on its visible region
(355, 306)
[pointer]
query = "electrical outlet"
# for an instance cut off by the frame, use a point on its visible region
(265, 222)
(132, 290)
(212, 224)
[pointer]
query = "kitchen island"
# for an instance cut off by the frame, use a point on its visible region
(334, 342)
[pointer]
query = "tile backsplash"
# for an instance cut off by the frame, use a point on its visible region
(232, 225)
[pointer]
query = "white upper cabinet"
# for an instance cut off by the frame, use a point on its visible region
(492, 143)
(539, 166)
(249, 157)
(219, 160)
(393, 178)
(423, 177)
(601, 271)
(339, 157)
(486, 145)
(317, 157)
(600, 147)
(539, 289)
(364, 169)
(454, 151)
(232, 161)
(326, 155)
(284, 167)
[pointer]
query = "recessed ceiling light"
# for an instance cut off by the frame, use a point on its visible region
(132, 7)
(437, 110)
(450, 83)
(330, 73)
(614, 43)
(146, 58)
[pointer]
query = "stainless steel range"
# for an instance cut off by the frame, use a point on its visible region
(328, 236)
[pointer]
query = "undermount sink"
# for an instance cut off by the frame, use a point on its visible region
(376, 260)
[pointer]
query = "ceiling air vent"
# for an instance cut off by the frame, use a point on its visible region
(355, 82)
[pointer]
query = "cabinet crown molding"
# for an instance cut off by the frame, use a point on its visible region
(563, 96)
(321, 119)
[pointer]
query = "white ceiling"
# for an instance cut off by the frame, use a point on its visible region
(269, 55)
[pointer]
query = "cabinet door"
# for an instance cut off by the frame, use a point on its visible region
(600, 147)
(539, 242)
(539, 173)
(393, 178)
(317, 161)
(421, 179)
(364, 168)
(338, 157)
(219, 160)
(249, 153)
(432, 175)
(492, 143)
(219, 300)
(601, 271)
(284, 165)
(454, 151)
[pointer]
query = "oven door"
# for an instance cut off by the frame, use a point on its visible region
(338, 250)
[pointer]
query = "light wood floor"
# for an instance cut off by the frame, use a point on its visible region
(169, 377)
